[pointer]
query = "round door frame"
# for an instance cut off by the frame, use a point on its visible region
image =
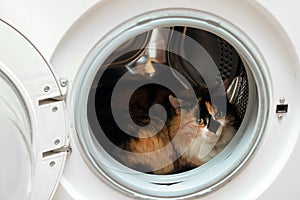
(261, 33)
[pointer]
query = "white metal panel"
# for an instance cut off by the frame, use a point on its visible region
(44, 22)
(37, 119)
(269, 39)
(16, 156)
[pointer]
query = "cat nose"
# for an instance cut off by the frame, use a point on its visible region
(212, 125)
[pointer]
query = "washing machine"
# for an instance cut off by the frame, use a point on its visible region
(60, 62)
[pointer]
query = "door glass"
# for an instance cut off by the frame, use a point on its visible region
(136, 101)
(15, 143)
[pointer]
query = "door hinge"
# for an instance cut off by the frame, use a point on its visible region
(62, 149)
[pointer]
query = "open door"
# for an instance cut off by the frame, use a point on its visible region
(33, 144)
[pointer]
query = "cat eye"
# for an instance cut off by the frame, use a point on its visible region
(200, 121)
(219, 114)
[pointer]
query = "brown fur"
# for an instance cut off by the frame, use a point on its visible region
(189, 144)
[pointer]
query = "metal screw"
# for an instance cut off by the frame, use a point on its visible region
(63, 82)
(56, 142)
(69, 151)
(282, 100)
(280, 116)
(52, 164)
(46, 89)
(55, 109)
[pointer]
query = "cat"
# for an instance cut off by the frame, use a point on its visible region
(215, 129)
(188, 138)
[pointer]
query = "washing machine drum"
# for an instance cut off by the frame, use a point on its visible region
(179, 55)
(223, 55)
(32, 129)
(122, 106)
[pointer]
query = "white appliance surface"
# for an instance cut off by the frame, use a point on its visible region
(47, 23)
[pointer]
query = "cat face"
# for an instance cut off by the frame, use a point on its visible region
(202, 114)
(201, 124)
(212, 118)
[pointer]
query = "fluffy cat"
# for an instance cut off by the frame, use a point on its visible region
(214, 130)
(188, 138)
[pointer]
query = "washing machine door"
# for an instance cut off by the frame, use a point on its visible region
(33, 142)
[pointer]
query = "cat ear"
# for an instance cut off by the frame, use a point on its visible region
(175, 103)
